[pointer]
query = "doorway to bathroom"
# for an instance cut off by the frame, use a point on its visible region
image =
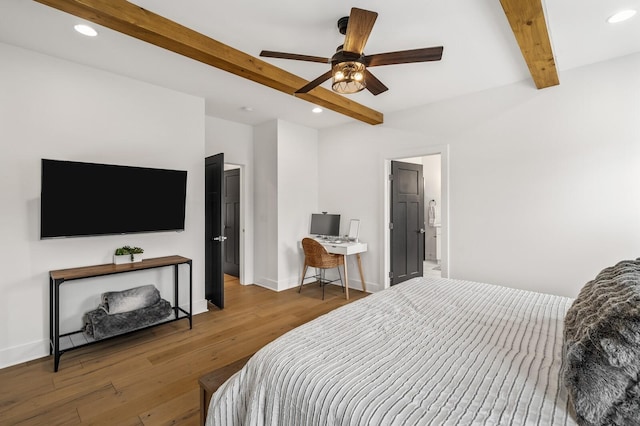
(429, 228)
(432, 170)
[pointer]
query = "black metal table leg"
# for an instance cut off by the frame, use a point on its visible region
(56, 330)
(190, 294)
(175, 290)
(51, 313)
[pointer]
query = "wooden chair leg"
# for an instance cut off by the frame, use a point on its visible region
(346, 279)
(304, 273)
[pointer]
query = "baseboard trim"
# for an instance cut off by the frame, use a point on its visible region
(23, 353)
(267, 283)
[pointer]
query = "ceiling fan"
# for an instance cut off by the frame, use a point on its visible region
(349, 64)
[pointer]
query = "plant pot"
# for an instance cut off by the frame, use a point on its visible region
(126, 258)
(122, 258)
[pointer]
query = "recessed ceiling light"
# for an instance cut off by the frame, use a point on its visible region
(317, 110)
(85, 30)
(621, 16)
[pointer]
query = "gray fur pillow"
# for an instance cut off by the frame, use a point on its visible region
(602, 348)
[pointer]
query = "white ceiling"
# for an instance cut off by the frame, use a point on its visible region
(480, 51)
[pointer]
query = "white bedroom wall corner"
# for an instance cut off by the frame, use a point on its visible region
(156, 128)
(297, 196)
(265, 186)
(285, 193)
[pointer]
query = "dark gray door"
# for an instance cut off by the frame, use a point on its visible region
(232, 222)
(407, 219)
(214, 238)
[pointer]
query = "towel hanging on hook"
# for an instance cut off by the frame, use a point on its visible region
(432, 213)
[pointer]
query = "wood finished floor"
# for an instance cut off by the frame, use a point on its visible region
(151, 377)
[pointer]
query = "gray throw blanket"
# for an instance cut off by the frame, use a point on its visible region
(101, 325)
(115, 302)
(602, 348)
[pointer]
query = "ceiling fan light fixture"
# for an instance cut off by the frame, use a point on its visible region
(348, 77)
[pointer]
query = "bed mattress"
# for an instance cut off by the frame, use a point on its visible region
(425, 352)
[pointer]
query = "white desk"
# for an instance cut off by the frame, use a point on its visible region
(346, 249)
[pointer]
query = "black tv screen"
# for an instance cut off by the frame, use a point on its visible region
(81, 199)
(325, 224)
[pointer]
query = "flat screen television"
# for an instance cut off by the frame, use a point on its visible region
(324, 224)
(82, 199)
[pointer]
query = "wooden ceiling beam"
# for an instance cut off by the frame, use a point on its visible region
(132, 20)
(528, 24)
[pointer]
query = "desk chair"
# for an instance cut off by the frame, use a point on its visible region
(316, 256)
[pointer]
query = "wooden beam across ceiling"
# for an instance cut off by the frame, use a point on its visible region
(528, 24)
(127, 18)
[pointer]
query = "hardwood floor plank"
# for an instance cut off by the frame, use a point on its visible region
(54, 417)
(97, 374)
(44, 408)
(151, 377)
(173, 411)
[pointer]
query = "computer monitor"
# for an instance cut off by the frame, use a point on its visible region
(324, 224)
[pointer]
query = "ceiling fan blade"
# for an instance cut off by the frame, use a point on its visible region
(270, 54)
(374, 85)
(404, 56)
(358, 29)
(317, 82)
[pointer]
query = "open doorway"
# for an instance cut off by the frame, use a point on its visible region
(232, 223)
(432, 171)
(434, 226)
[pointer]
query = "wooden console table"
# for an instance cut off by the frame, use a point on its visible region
(60, 344)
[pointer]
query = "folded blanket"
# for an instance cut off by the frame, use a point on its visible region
(100, 325)
(602, 348)
(115, 302)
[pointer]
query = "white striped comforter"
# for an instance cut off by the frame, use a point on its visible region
(425, 352)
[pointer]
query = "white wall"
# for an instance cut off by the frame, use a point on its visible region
(543, 183)
(235, 140)
(55, 109)
(352, 181)
(265, 217)
(285, 185)
(297, 197)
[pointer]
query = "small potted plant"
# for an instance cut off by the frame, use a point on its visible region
(127, 254)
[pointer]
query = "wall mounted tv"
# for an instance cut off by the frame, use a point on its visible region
(81, 199)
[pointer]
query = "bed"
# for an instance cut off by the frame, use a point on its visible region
(425, 352)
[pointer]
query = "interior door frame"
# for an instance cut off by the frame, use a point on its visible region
(407, 234)
(445, 260)
(214, 225)
(243, 227)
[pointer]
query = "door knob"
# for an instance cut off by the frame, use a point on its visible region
(219, 238)
(422, 230)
